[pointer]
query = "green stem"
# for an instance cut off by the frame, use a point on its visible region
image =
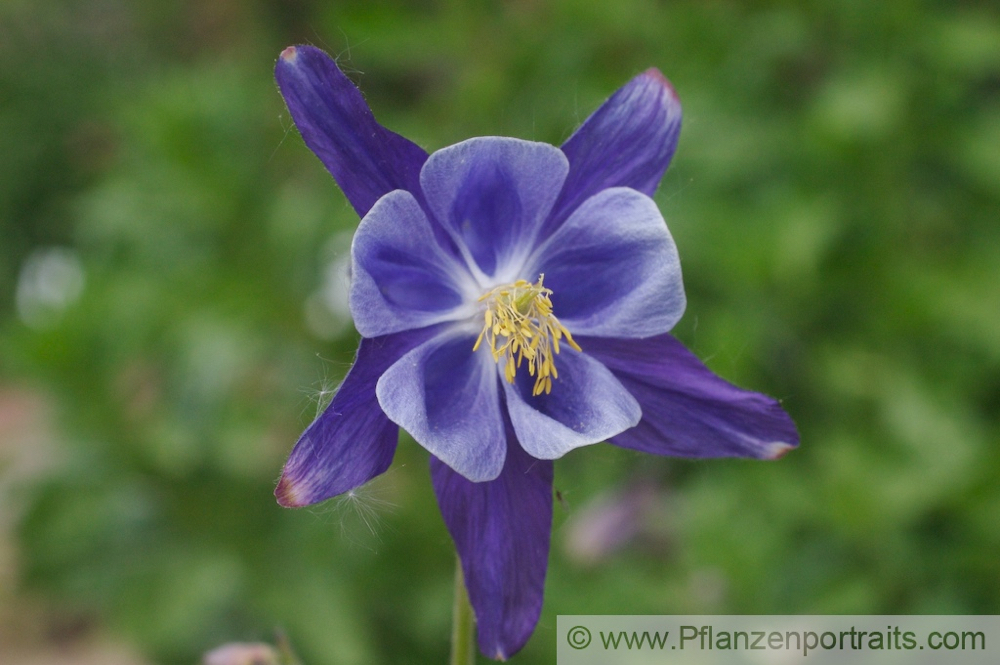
(463, 627)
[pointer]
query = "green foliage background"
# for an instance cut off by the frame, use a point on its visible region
(835, 199)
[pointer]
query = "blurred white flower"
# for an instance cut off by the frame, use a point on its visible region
(51, 280)
(327, 310)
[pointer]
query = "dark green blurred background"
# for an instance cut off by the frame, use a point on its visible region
(172, 315)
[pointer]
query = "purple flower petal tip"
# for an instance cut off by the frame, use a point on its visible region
(289, 495)
(656, 75)
(778, 449)
(628, 142)
(688, 411)
(366, 159)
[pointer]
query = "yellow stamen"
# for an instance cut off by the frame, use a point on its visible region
(519, 325)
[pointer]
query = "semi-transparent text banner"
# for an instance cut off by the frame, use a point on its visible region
(777, 640)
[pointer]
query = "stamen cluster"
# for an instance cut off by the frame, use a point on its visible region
(520, 325)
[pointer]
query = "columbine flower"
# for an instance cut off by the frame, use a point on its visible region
(514, 301)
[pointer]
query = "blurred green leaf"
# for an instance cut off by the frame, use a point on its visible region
(834, 201)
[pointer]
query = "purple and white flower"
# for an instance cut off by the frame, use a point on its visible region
(514, 301)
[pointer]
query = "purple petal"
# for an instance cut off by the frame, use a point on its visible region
(627, 142)
(687, 411)
(501, 530)
(401, 277)
(446, 397)
(492, 195)
(366, 159)
(352, 441)
(587, 405)
(613, 268)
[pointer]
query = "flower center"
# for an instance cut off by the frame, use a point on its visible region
(520, 326)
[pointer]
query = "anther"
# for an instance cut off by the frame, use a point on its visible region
(519, 325)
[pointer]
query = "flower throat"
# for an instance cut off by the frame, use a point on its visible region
(520, 326)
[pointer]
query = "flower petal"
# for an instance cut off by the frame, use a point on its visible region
(687, 411)
(352, 441)
(501, 530)
(627, 142)
(401, 278)
(492, 195)
(366, 159)
(446, 397)
(613, 268)
(587, 405)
